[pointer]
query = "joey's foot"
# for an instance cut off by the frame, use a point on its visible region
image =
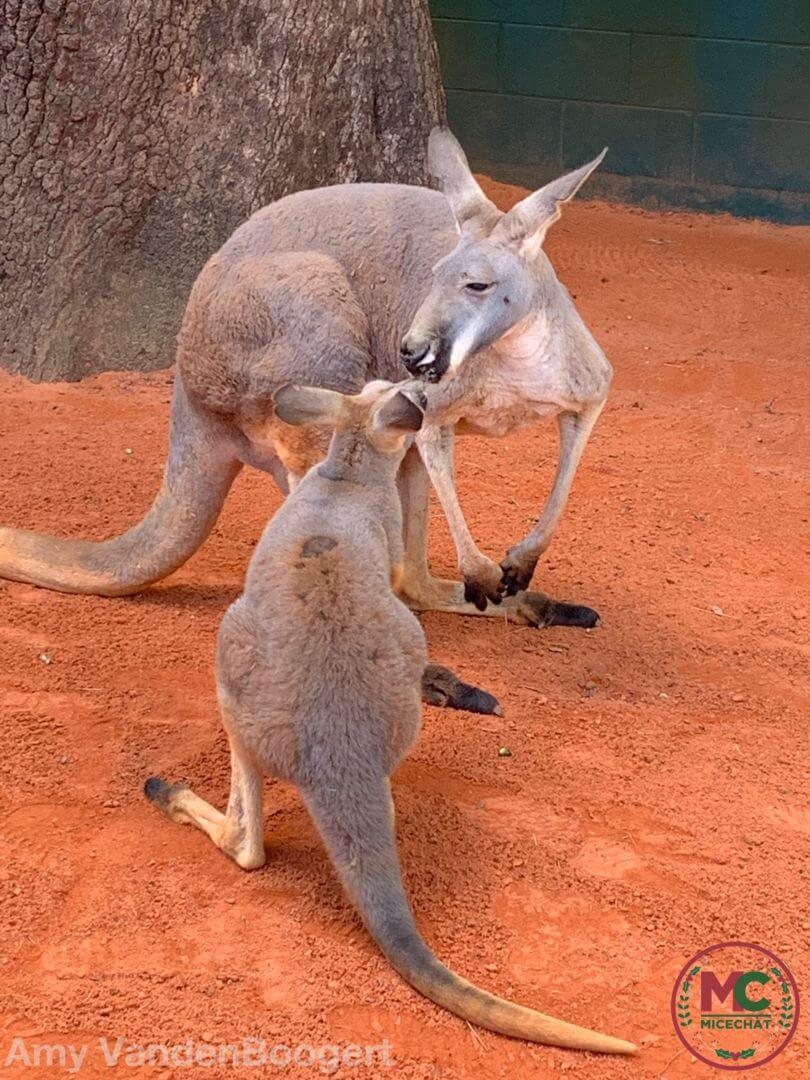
(517, 571)
(163, 795)
(536, 609)
(441, 687)
(482, 583)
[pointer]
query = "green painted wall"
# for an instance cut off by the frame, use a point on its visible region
(703, 103)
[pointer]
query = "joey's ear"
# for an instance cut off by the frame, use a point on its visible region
(530, 219)
(473, 211)
(307, 405)
(400, 413)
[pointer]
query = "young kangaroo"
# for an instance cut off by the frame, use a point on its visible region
(318, 675)
(318, 288)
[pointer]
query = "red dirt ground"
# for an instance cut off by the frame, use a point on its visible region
(657, 799)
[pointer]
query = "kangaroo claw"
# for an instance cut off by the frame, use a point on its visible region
(478, 595)
(517, 574)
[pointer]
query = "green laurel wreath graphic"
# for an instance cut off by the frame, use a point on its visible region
(682, 1005)
(787, 1009)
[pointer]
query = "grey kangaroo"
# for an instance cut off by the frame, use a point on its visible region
(317, 289)
(321, 585)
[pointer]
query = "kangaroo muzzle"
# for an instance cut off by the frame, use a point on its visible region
(425, 358)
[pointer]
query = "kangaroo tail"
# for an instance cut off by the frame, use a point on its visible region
(357, 825)
(201, 467)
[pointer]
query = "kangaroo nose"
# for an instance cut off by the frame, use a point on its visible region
(412, 352)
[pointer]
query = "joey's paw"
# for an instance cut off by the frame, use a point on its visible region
(517, 571)
(482, 584)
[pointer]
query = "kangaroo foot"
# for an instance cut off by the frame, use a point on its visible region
(539, 610)
(441, 687)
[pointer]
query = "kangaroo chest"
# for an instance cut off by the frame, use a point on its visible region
(500, 407)
(501, 395)
(533, 373)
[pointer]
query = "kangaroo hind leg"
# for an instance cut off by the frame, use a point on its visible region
(239, 832)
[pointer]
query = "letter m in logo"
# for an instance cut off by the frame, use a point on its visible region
(711, 988)
(737, 985)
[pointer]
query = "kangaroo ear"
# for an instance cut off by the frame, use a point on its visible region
(401, 413)
(307, 405)
(448, 165)
(530, 219)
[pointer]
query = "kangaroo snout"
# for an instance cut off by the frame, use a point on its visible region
(425, 358)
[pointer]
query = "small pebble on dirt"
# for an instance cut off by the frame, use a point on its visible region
(504, 752)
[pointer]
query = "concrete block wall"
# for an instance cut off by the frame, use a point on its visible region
(703, 103)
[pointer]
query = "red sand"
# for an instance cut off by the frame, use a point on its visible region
(657, 797)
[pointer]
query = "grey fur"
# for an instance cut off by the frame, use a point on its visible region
(317, 289)
(337, 725)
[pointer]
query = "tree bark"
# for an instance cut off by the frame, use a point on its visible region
(135, 136)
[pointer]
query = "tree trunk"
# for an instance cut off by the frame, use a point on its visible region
(135, 136)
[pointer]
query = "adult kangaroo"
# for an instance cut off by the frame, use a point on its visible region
(317, 288)
(337, 723)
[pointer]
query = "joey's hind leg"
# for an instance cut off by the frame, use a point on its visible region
(239, 832)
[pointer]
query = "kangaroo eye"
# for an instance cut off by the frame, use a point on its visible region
(478, 286)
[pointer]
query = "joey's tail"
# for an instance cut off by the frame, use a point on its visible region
(357, 825)
(201, 467)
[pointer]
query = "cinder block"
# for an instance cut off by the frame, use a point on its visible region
(789, 82)
(469, 54)
(691, 73)
(502, 127)
(756, 20)
(641, 16)
(750, 151)
(582, 64)
(536, 12)
(641, 142)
